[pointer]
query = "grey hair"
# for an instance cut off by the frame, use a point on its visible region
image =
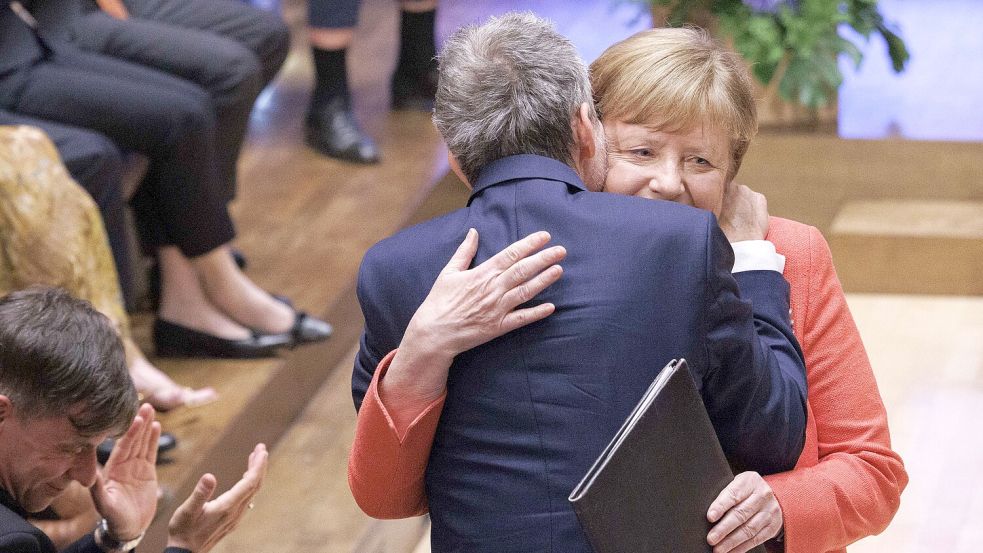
(509, 86)
(61, 357)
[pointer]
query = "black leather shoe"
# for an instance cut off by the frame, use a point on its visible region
(174, 340)
(414, 92)
(165, 443)
(333, 131)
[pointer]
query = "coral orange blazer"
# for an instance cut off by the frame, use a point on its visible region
(846, 485)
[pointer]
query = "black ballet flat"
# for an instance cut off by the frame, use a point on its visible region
(174, 340)
(309, 329)
(306, 328)
(165, 443)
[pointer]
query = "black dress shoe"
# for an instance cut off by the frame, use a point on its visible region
(414, 92)
(174, 340)
(333, 131)
(165, 443)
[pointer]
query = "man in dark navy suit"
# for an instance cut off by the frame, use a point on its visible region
(642, 282)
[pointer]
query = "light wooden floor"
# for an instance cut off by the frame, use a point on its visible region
(297, 209)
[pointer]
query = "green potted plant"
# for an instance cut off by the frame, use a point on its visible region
(792, 46)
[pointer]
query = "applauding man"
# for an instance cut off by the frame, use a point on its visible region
(64, 388)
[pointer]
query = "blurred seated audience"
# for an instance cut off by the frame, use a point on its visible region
(208, 306)
(230, 49)
(51, 233)
(96, 164)
(57, 402)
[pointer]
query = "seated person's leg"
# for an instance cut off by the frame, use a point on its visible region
(180, 203)
(262, 32)
(95, 163)
(54, 236)
(230, 72)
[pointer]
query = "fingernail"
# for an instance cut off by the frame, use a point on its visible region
(713, 515)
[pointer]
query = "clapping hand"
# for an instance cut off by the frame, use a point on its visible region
(201, 522)
(125, 494)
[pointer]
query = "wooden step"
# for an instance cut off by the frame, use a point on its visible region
(809, 178)
(909, 246)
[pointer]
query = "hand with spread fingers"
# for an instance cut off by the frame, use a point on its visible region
(743, 214)
(746, 513)
(469, 307)
(125, 494)
(201, 522)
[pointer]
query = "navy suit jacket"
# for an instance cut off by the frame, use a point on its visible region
(526, 414)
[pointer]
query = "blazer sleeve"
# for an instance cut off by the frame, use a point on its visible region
(855, 488)
(754, 387)
(387, 465)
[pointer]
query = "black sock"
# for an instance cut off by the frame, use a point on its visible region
(416, 43)
(330, 75)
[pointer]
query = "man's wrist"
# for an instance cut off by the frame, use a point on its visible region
(110, 543)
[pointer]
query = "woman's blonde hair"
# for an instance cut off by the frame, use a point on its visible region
(674, 79)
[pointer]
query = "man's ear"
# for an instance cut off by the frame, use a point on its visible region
(583, 133)
(456, 167)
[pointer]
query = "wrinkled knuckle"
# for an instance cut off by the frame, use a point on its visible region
(754, 526)
(512, 254)
(525, 293)
(521, 274)
(747, 531)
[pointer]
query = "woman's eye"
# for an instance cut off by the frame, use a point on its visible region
(641, 152)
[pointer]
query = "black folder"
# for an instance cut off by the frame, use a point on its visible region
(650, 489)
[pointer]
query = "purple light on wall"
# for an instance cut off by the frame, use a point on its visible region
(770, 6)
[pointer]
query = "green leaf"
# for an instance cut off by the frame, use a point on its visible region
(896, 49)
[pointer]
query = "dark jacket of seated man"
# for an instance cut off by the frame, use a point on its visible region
(526, 414)
(19, 536)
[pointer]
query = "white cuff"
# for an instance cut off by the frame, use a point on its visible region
(757, 255)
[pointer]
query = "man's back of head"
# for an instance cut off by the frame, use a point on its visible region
(509, 86)
(61, 357)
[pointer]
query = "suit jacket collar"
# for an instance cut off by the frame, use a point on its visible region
(525, 167)
(8, 501)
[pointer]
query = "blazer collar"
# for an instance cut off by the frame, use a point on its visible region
(7, 501)
(525, 167)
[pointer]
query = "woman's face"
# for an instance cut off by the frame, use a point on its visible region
(688, 166)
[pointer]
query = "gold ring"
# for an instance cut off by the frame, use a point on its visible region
(251, 504)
